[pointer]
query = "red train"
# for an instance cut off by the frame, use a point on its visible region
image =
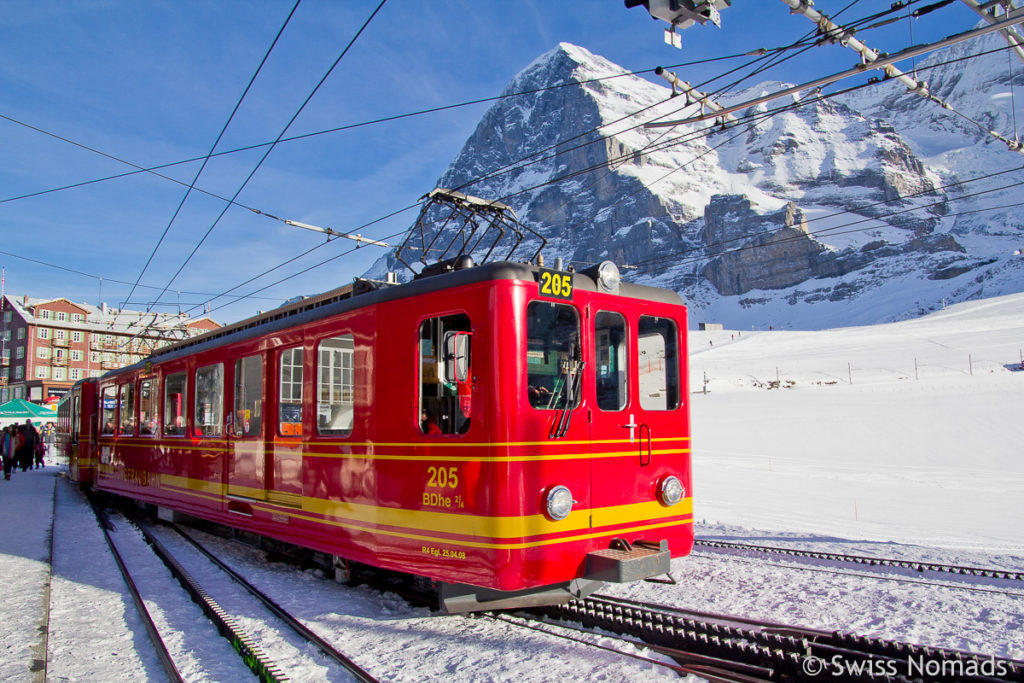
(515, 434)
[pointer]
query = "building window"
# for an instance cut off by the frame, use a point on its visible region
(77, 318)
(42, 371)
(19, 392)
(76, 374)
(76, 336)
(7, 335)
(43, 352)
(59, 374)
(43, 333)
(76, 355)
(59, 334)
(19, 372)
(21, 333)
(94, 356)
(44, 314)
(62, 316)
(94, 373)
(334, 385)
(5, 373)
(8, 316)
(19, 352)
(60, 354)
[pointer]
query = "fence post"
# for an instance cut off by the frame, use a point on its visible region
(915, 368)
(970, 364)
(849, 372)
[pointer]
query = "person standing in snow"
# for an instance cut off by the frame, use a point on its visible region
(7, 443)
(26, 445)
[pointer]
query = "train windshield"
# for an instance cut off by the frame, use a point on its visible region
(552, 355)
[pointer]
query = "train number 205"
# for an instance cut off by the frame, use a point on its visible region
(556, 284)
(443, 477)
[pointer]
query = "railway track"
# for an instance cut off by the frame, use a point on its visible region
(245, 645)
(728, 648)
(863, 560)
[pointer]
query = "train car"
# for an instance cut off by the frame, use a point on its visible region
(515, 435)
(76, 432)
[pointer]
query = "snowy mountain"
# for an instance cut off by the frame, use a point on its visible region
(855, 209)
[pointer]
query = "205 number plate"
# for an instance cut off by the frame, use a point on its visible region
(555, 284)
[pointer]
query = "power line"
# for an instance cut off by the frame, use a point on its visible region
(206, 159)
(276, 141)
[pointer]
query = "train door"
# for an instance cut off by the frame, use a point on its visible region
(636, 421)
(246, 462)
(285, 438)
(554, 380)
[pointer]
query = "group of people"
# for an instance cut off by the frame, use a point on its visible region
(21, 446)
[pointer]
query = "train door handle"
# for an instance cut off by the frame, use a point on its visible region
(645, 457)
(631, 425)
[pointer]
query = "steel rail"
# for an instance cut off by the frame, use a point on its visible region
(983, 572)
(783, 651)
(147, 619)
(304, 631)
(250, 652)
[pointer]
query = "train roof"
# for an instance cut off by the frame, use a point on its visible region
(362, 293)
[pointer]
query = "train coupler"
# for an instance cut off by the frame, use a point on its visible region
(624, 562)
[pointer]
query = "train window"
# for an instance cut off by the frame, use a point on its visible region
(610, 360)
(553, 358)
(334, 388)
(75, 415)
(446, 375)
(248, 395)
(209, 400)
(148, 405)
(127, 412)
(290, 393)
(174, 404)
(108, 409)
(659, 363)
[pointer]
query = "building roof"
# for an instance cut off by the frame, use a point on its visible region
(102, 319)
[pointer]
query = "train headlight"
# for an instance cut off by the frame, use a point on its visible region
(671, 491)
(558, 503)
(608, 276)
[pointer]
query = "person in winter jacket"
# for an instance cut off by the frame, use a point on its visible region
(25, 451)
(7, 445)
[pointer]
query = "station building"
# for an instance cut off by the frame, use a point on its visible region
(46, 345)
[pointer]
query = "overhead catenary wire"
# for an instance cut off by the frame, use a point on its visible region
(269, 149)
(206, 159)
(697, 134)
(664, 258)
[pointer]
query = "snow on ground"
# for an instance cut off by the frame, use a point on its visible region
(857, 443)
(855, 451)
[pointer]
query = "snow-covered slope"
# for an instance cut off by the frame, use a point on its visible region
(907, 432)
(859, 208)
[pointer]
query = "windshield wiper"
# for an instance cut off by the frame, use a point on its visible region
(574, 373)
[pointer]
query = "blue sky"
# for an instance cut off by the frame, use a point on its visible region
(153, 83)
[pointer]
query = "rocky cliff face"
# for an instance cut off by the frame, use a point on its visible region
(836, 201)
